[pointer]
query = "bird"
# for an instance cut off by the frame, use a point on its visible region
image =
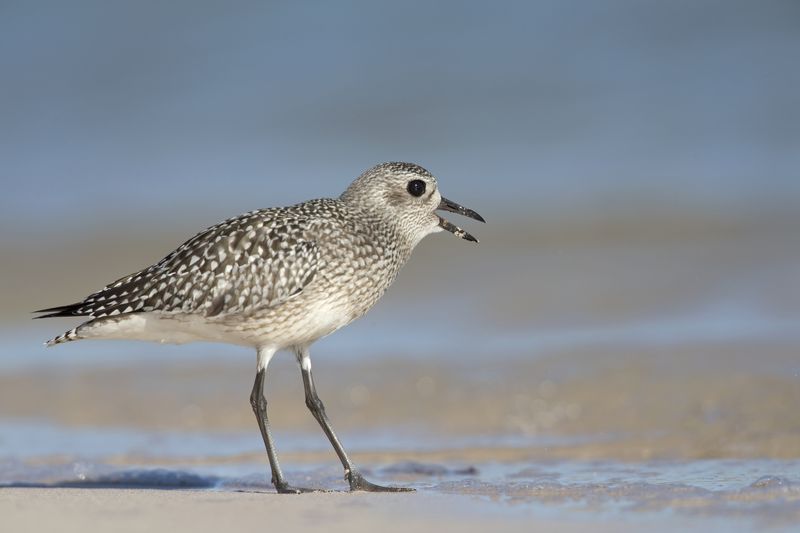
(278, 279)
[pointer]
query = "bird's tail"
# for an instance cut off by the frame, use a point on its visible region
(71, 335)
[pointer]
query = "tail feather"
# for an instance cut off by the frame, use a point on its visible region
(61, 310)
(71, 335)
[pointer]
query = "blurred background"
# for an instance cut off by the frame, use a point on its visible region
(635, 293)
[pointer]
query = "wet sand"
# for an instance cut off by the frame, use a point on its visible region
(599, 375)
(553, 496)
(629, 403)
(80, 511)
(601, 441)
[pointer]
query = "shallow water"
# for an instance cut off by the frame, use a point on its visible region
(718, 495)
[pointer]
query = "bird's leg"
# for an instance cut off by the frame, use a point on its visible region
(259, 404)
(351, 474)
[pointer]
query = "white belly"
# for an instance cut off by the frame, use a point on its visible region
(159, 328)
(266, 329)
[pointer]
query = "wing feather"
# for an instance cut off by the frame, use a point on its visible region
(241, 265)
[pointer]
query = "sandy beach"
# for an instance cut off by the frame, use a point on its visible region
(620, 446)
(559, 404)
(130, 510)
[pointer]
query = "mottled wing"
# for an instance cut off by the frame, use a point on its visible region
(255, 261)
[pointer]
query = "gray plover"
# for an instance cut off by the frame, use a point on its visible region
(275, 279)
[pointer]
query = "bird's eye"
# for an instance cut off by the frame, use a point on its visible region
(416, 187)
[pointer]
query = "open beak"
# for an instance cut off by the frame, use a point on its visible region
(447, 205)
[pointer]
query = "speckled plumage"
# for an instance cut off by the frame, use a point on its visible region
(276, 279)
(276, 276)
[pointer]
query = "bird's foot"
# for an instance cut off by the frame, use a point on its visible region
(357, 482)
(285, 488)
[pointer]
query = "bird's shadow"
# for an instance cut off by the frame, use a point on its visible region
(174, 479)
(152, 479)
(158, 479)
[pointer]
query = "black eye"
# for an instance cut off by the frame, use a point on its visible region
(416, 187)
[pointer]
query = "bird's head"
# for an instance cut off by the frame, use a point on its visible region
(408, 197)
